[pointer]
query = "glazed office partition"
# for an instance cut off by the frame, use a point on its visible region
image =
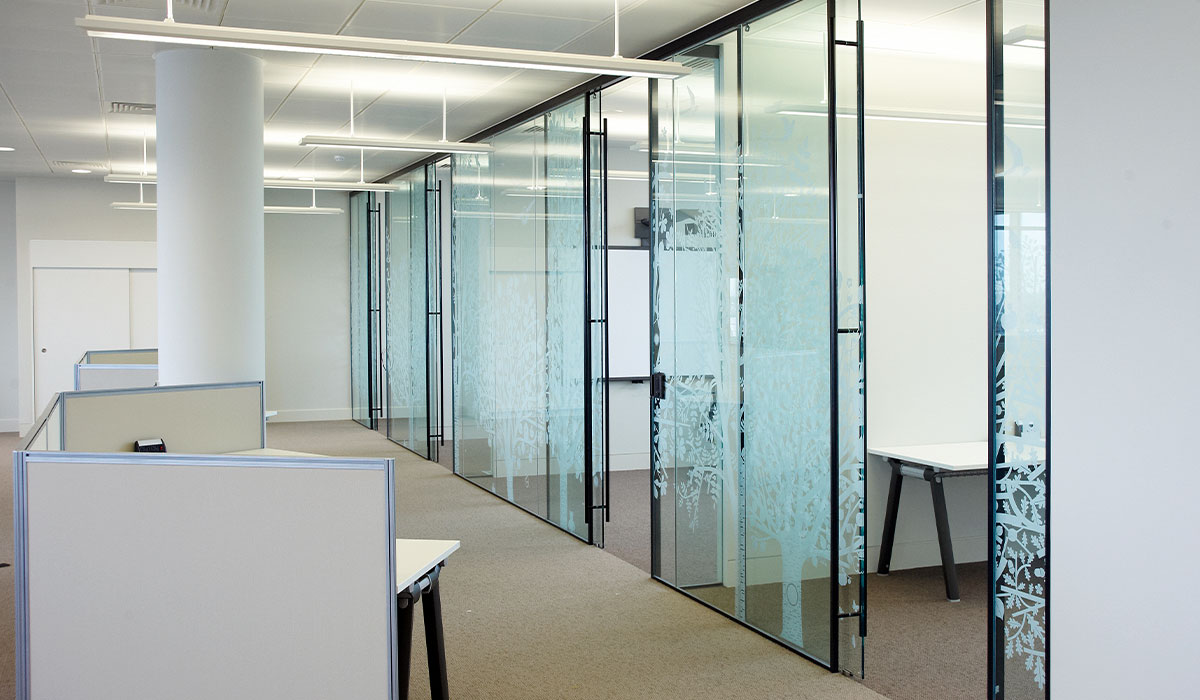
(228, 577)
(523, 385)
(757, 497)
(191, 418)
(1018, 169)
(410, 274)
(365, 332)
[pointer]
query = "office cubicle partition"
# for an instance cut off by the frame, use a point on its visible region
(527, 337)
(116, 369)
(757, 326)
(1019, 328)
(263, 577)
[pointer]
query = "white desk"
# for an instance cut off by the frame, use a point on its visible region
(418, 566)
(933, 463)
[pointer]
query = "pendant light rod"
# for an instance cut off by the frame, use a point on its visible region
(102, 27)
(616, 28)
(170, 10)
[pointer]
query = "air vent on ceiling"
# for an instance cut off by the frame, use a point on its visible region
(131, 108)
(80, 164)
(202, 5)
(535, 129)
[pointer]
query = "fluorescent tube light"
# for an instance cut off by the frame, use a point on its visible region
(276, 184)
(1028, 35)
(101, 27)
(153, 206)
(378, 144)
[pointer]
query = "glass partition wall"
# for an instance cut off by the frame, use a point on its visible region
(366, 367)
(757, 320)
(412, 303)
(1020, 439)
(527, 339)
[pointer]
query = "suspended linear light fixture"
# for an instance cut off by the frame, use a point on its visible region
(152, 206)
(170, 32)
(276, 184)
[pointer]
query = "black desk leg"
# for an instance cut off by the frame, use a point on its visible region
(431, 602)
(943, 531)
(889, 520)
(404, 616)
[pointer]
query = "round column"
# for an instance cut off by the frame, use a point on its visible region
(209, 150)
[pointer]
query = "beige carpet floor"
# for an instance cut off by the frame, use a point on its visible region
(531, 612)
(919, 645)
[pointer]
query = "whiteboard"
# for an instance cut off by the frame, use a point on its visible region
(628, 313)
(142, 577)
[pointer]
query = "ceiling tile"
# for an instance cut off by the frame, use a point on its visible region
(395, 20)
(326, 16)
(523, 31)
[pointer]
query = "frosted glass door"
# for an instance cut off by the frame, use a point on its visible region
(756, 423)
(1019, 436)
(360, 310)
(406, 323)
(520, 316)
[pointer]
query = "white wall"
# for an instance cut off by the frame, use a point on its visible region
(1125, 328)
(308, 309)
(307, 294)
(64, 209)
(9, 383)
(927, 323)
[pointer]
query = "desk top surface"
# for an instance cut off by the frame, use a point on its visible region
(415, 558)
(953, 457)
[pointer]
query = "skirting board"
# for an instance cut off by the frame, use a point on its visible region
(915, 555)
(629, 461)
(300, 415)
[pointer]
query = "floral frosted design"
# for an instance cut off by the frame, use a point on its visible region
(1020, 537)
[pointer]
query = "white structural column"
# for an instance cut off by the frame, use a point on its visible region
(211, 317)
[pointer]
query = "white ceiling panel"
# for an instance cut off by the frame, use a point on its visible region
(594, 10)
(518, 31)
(61, 81)
(416, 22)
(327, 16)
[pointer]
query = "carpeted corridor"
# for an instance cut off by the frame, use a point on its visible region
(533, 613)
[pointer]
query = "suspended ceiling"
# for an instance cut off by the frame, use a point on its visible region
(57, 85)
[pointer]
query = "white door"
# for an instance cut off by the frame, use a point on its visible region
(143, 308)
(74, 310)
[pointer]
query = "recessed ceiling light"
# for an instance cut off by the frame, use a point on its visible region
(304, 183)
(7, 148)
(81, 171)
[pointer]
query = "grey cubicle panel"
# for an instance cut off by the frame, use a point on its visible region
(142, 576)
(90, 377)
(135, 356)
(190, 418)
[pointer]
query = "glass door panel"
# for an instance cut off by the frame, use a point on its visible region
(757, 427)
(787, 368)
(405, 293)
(1019, 439)
(597, 312)
(694, 329)
(360, 314)
(520, 318)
